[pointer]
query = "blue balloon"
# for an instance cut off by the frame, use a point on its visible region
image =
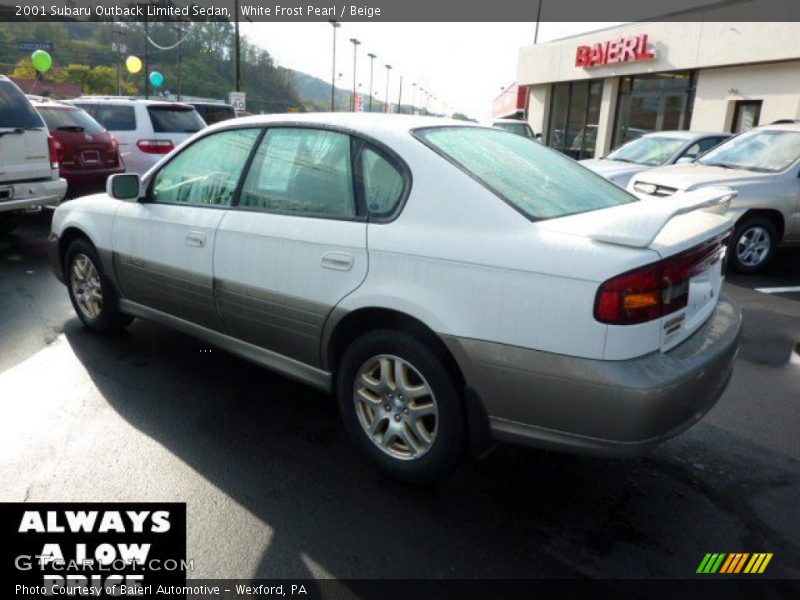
(156, 79)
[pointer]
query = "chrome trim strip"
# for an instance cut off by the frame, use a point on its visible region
(272, 360)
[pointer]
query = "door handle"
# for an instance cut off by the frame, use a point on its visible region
(195, 238)
(338, 261)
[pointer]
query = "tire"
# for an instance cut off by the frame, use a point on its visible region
(753, 244)
(8, 223)
(419, 439)
(83, 273)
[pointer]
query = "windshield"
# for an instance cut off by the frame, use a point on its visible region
(175, 119)
(650, 150)
(765, 150)
(15, 109)
(69, 119)
(538, 181)
(522, 129)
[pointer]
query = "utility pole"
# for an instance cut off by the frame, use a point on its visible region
(400, 97)
(538, 16)
(355, 43)
(335, 25)
(146, 58)
(119, 48)
(372, 58)
(180, 43)
(237, 48)
(386, 97)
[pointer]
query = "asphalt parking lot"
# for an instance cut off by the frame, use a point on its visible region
(274, 489)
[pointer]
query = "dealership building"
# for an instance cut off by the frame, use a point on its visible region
(591, 93)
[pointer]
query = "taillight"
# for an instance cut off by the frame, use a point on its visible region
(155, 146)
(53, 146)
(657, 289)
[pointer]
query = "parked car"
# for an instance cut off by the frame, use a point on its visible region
(516, 126)
(28, 158)
(214, 112)
(449, 282)
(763, 166)
(653, 150)
(146, 130)
(87, 153)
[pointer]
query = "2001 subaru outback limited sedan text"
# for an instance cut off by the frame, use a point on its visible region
(446, 281)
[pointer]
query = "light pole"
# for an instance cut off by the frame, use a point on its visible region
(413, 98)
(386, 97)
(372, 58)
(400, 97)
(237, 47)
(335, 25)
(355, 43)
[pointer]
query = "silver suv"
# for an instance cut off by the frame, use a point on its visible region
(28, 158)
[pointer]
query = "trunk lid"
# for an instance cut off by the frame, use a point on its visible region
(689, 233)
(83, 144)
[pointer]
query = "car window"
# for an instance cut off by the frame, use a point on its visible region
(15, 109)
(522, 129)
(538, 181)
(69, 119)
(175, 119)
(760, 150)
(214, 113)
(116, 118)
(301, 170)
(701, 146)
(383, 183)
(649, 150)
(207, 172)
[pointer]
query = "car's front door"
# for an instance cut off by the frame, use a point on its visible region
(164, 244)
(294, 245)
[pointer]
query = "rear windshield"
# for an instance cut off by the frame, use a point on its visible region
(69, 119)
(114, 117)
(213, 113)
(15, 109)
(539, 182)
(175, 119)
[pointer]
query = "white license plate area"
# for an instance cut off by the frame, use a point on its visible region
(90, 157)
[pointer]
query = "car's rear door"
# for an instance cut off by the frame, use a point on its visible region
(163, 245)
(294, 246)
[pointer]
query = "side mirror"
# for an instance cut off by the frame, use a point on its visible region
(124, 186)
(684, 159)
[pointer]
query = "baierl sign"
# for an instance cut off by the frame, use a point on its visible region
(621, 50)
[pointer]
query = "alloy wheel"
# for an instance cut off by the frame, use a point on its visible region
(753, 246)
(86, 286)
(396, 407)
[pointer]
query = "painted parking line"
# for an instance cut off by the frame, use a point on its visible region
(779, 290)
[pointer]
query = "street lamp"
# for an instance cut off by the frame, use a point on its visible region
(355, 43)
(372, 58)
(335, 25)
(414, 98)
(400, 97)
(386, 97)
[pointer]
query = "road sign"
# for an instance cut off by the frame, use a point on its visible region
(35, 46)
(238, 100)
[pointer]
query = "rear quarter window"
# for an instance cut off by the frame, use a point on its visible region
(15, 109)
(538, 181)
(174, 119)
(116, 118)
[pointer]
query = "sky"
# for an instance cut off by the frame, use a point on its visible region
(464, 65)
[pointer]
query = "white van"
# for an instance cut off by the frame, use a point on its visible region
(28, 158)
(145, 129)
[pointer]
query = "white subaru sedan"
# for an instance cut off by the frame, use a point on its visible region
(450, 283)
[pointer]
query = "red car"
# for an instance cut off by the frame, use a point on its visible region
(87, 153)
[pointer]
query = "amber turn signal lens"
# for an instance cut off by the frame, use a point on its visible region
(643, 300)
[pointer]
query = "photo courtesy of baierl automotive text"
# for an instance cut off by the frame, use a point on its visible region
(400, 300)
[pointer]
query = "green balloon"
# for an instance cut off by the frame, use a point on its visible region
(42, 61)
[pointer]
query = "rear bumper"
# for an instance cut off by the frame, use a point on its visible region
(615, 408)
(35, 193)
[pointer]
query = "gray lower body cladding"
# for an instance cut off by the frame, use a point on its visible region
(595, 406)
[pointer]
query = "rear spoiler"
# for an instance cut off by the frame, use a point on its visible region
(640, 223)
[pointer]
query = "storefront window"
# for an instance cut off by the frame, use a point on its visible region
(574, 116)
(654, 102)
(746, 115)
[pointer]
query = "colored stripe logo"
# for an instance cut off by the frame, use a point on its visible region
(734, 563)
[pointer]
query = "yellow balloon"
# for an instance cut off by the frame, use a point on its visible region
(133, 64)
